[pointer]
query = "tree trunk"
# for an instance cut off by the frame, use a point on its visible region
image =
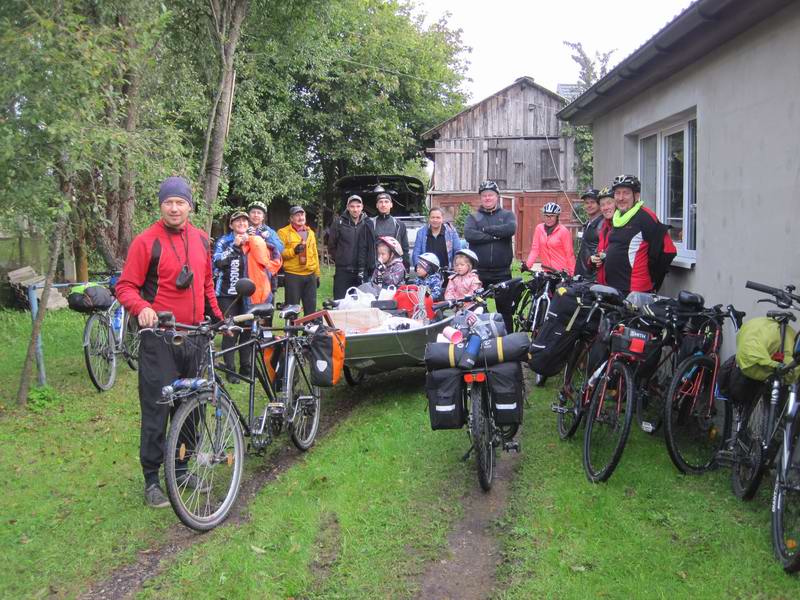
(55, 250)
(127, 197)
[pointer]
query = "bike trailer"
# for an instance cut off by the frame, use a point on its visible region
(327, 347)
(551, 348)
(758, 348)
(513, 347)
(445, 401)
(507, 391)
(90, 297)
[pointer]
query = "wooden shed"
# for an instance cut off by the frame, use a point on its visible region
(514, 138)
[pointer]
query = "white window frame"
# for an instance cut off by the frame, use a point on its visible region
(686, 257)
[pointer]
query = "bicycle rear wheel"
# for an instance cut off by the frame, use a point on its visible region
(130, 340)
(748, 452)
(695, 426)
(98, 352)
(571, 394)
(481, 430)
(522, 307)
(608, 423)
(203, 460)
(302, 405)
(786, 514)
(651, 397)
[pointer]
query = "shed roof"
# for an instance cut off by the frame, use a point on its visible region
(525, 79)
(702, 27)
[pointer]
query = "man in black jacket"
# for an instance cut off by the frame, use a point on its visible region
(385, 224)
(349, 244)
(489, 231)
(591, 234)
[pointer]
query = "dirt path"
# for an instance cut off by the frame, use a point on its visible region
(468, 571)
(129, 579)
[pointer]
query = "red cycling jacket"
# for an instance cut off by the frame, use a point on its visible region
(155, 260)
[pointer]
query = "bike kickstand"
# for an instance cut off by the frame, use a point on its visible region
(466, 456)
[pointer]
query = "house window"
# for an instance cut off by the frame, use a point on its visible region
(550, 180)
(668, 171)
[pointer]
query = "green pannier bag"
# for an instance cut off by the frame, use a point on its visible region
(757, 341)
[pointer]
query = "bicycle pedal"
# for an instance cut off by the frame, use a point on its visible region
(275, 407)
(562, 410)
(512, 446)
(648, 427)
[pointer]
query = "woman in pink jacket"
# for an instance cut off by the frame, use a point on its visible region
(552, 242)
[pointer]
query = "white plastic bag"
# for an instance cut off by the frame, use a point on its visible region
(387, 293)
(355, 298)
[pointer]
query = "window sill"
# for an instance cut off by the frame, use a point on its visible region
(683, 262)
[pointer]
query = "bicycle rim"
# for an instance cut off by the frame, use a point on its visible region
(482, 436)
(786, 515)
(608, 423)
(748, 454)
(303, 406)
(571, 393)
(98, 352)
(206, 443)
(696, 427)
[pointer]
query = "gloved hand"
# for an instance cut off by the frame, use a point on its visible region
(299, 248)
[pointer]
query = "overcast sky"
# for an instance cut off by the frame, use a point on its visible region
(510, 39)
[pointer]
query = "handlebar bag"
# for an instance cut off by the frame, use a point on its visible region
(507, 392)
(551, 348)
(90, 297)
(327, 349)
(445, 401)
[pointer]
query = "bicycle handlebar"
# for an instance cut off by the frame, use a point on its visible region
(783, 297)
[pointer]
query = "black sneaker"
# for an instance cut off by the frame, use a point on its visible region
(154, 496)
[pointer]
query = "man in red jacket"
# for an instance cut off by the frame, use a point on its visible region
(168, 269)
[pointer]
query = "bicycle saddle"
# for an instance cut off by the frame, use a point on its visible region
(291, 312)
(691, 300)
(781, 316)
(606, 293)
(262, 310)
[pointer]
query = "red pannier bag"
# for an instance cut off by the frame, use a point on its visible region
(407, 299)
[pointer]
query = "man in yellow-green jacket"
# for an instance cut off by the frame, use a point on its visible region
(300, 261)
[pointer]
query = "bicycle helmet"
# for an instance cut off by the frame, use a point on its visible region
(605, 193)
(430, 262)
(590, 193)
(628, 181)
(551, 208)
(257, 204)
(393, 244)
(490, 186)
(469, 254)
(237, 214)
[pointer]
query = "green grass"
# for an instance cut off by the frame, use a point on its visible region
(647, 532)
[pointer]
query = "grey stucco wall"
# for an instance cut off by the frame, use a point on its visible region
(747, 99)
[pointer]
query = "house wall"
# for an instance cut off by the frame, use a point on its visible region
(747, 100)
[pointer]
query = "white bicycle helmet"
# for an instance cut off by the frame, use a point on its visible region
(551, 208)
(430, 262)
(469, 254)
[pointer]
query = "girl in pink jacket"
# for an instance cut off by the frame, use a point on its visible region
(552, 242)
(465, 281)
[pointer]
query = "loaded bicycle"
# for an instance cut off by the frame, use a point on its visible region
(204, 451)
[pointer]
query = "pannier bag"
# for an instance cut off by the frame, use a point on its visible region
(758, 345)
(735, 385)
(327, 356)
(273, 363)
(567, 307)
(507, 392)
(633, 343)
(445, 403)
(90, 297)
(551, 348)
(513, 347)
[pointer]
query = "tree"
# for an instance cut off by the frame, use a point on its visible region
(591, 71)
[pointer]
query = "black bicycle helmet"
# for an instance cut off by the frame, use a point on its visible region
(628, 181)
(590, 193)
(605, 193)
(488, 185)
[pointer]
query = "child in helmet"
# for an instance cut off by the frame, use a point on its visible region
(390, 269)
(465, 280)
(428, 274)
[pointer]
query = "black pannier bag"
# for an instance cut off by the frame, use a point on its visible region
(445, 403)
(569, 308)
(512, 347)
(551, 349)
(735, 385)
(507, 391)
(89, 298)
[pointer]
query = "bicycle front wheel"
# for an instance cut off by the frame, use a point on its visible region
(571, 394)
(482, 435)
(130, 340)
(786, 514)
(203, 460)
(695, 426)
(302, 406)
(522, 309)
(98, 352)
(748, 452)
(608, 423)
